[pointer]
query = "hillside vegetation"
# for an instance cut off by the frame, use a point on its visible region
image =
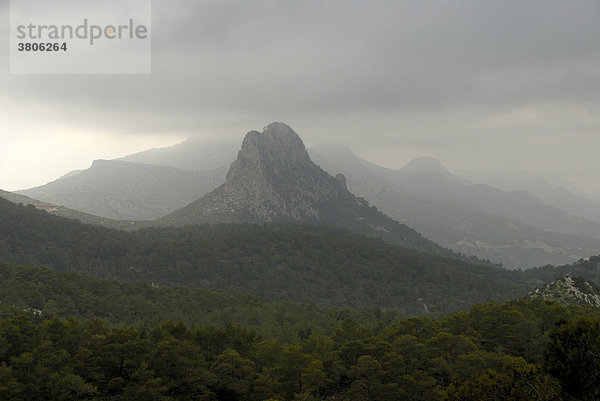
(299, 263)
(513, 351)
(50, 293)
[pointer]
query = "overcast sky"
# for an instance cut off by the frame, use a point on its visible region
(481, 85)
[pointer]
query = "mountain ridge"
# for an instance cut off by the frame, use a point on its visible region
(551, 190)
(193, 154)
(329, 266)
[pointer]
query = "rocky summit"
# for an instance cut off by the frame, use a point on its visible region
(273, 179)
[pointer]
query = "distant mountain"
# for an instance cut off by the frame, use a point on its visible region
(273, 179)
(425, 164)
(567, 200)
(127, 191)
(514, 244)
(570, 291)
(551, 190)
(517, 180)
(430, 165)
(68, 213)
(472, 219)
(518, 205)
(191, 154)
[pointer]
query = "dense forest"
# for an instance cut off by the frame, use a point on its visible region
(301, 312)
(141, 305)
(521, 350)
(298, 263)
(587, 268)
(70, 337)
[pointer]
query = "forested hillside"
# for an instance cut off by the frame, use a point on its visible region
(300, 263)
(51, 293)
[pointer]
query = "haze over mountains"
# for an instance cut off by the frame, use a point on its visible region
(551, 190)
(521, 224)
(124, 190)
(426, 177)
(192, 154)
(62, 211)
(514, 228)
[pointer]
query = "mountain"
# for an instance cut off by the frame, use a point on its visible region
(425, 164)
(570, 291)
(471, 219)
(273, 179)
(430, 165)
(192, 154)
(126, 190)
(551, 190)
(68, 213)
(516, 205)
(514, 244)
(518, 180)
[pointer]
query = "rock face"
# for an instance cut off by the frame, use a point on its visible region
(273, 179)
(341, 179)
(570, 291)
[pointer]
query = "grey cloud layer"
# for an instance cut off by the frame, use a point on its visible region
(335, 56)
(431, 72)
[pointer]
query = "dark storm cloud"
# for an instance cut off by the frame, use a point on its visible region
(321, 57)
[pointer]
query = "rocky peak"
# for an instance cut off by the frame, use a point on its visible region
(274, 179)
(274, 153)
(278, 143)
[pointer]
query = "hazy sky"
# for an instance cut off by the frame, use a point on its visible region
(481, 85)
